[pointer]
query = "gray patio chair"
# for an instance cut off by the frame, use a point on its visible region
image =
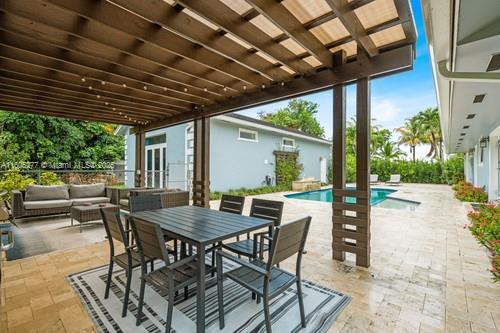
(169, 278)
(152, 201)
(232, 204)
(266, 279)
(264, 209)
(127, 260)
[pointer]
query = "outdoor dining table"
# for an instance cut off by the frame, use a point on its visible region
(200, 227)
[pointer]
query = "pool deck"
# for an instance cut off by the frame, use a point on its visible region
(427, 274)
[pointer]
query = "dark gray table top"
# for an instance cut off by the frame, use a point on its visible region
(201, 225)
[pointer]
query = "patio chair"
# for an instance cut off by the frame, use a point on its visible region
(232, 204)
(373, 179)
(144, 202)
(394, 180)
(264, 209)
(265, 279)
(127, 260)
(169, 278)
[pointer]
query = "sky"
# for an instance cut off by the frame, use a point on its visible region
(394, 98)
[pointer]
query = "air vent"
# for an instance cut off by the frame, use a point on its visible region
(494, 64)
(466, 127)
(478, 98)
(471, 116)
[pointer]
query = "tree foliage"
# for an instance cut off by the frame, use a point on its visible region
(299, 114)
(26, 137)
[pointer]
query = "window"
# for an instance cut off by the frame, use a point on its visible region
(288, 143)
(153, 140)
(247, 135)
(190, 143)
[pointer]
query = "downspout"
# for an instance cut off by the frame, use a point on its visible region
(467, 76)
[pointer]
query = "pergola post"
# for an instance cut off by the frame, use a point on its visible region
(351, 220)
(140, 159)
(363, 171)
(201, 172)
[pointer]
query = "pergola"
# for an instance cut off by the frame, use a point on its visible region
(155, 63)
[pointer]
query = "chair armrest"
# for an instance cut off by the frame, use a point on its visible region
(263, 235)
(242, 262)
(181, 262)
(17, 204)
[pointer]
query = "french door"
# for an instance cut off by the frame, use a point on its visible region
(156, 165)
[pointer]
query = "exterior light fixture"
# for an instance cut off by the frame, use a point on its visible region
(483, 143)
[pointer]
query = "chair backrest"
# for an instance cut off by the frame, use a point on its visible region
(395, 178)
(113, 225)
(268, 210)
(174, 198)
(140, 203)
(149, 239)
(232, 204)
(289, 239)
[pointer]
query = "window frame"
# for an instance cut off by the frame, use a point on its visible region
(287, 146)
(248, 131)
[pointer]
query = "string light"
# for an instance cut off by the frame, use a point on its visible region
(164, 88)
(263, 86)
(244, 87)
(103, 82)
(205, 89)
(98, 96)
(282, 83)
(114, 109)
(124, 85)
(90, 88)
(145, 87)
(186, 90)
(225, 89)
(83, 79)
(106, 103)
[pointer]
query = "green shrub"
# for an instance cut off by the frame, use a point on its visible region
(467, 192)
(14, 180)
(485, 226)
(288, 169)
(251, 191)
(49, 178)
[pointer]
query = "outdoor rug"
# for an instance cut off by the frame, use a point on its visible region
(322, 306)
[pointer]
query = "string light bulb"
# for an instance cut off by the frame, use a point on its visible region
(98, 96)
(225, 89)
(106, 103)
(124, 85)
(114, 109)
(83, 79)
(145, 87)
(244, 87)
(205, 89)
(103, 82)
(164, 88)
(282, 83)
(185, 89)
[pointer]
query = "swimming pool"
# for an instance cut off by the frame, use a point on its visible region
(378, 195)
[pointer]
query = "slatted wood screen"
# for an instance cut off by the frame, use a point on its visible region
(201, 172)
(351, 221)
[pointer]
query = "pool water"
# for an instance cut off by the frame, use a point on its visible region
(378, 197)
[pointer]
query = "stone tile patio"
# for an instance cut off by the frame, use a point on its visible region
(428, 274)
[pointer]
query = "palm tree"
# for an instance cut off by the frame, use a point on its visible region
(389, 151)
(431, 131)
(410, 134)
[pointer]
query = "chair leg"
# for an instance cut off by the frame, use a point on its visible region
(267, 315)
(108, 281)
(220, 291)
(175, 250)
(152, 265)
(127, 291)
(186, 293)
(301, 303)
(141, 301)
(170, 310)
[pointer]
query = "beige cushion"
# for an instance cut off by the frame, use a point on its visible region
(92, 200)
(124, 202)
(87, 191)
(43, 204)
(42, 192)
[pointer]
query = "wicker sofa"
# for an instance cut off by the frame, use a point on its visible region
(170, 197)
(39, 200)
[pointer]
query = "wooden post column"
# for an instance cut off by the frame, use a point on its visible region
(201, 172)
(363, 119)
(140, 159)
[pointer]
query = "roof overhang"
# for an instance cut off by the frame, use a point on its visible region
(161, 62)
(463, 36)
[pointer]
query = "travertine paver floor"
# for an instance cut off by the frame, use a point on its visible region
(428, 274)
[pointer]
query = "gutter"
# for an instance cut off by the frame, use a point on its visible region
(466, 76)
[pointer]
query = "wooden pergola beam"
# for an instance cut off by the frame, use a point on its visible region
(389, 62)
(293, 28)
(108, 14)
(351, 22)
(188, 27)
(25, 49)
(38, 62)
(24, 16)
(226, 19)
(14, 77)
(68, 101)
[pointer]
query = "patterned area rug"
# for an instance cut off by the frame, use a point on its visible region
(322, 306)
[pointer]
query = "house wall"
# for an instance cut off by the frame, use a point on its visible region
(236, 163)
